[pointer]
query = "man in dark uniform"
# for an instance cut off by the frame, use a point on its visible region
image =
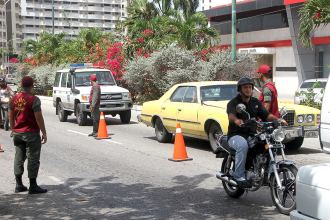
(268, 95)
(4, 86)
(26, 121)
(94, 101)
(240, 136)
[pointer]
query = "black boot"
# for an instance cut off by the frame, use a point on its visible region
(34, 188)
(19, 184)
(96, 129)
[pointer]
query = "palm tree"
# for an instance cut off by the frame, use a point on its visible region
(313, 14)
(192, 30)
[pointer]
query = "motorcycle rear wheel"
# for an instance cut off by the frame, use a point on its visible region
(231, 190)
(284, 200)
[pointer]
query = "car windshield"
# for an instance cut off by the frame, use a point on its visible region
(219, 92)
(310, 84)
(103, 78)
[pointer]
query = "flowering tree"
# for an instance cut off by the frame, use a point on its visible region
(314, 13)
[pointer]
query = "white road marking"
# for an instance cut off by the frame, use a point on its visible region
(67, 186)
(115, 142)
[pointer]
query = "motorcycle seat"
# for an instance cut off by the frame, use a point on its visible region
(224, 144)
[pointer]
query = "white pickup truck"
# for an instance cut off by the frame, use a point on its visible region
(72, 88)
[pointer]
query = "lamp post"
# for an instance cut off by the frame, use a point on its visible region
(5, 19)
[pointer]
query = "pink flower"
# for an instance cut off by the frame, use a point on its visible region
(104, 41)
(145, 55)
(140, 40)
(203, 58)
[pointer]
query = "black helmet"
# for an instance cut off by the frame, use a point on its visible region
(243, 81)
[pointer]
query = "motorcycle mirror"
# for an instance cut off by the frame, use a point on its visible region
(283, 111)
(240, 108)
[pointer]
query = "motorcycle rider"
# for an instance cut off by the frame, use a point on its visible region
(239, 137)
(4, 86)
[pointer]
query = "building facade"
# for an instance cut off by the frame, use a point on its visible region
(270, 28)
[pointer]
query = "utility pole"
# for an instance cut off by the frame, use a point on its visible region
(233, 31)
(53, 16)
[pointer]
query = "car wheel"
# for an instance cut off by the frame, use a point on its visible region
(81, 116)
(295, 143)
(213, 131)
(62, 114)
(125, 116)
(162, 135)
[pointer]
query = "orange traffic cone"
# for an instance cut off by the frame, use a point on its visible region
(180, 153)
(102, 132)
(1, 149)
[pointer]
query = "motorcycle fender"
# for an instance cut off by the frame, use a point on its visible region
(284, 163)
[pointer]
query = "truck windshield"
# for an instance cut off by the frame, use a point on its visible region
(103, 78)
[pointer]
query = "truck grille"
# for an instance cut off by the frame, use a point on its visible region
(112, 96)
(290, 117)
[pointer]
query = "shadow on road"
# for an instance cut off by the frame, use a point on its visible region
(303, 150)
(110, 199)
(108, 121)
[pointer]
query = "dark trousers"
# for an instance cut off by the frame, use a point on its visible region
(27, 147)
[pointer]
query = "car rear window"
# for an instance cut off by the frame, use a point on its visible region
(310, 84)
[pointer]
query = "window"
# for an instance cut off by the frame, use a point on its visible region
(202, 8)
(218, 92)
(210, 7)
(210, 1)
(63, 80)
(57, 79)
(178, 94)
(191, 95)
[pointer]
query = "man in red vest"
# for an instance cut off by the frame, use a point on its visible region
(26, 121)
(268, 95)
(94, 101)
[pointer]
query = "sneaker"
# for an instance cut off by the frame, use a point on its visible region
(36, 189)
(243, 184)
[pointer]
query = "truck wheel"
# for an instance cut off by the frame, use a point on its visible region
(81, 116)
(62, 114)
(295, 143)
(125, 116)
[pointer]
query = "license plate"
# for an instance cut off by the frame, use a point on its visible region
(311, 134)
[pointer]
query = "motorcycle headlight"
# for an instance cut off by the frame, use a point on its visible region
(6, 99)
(126, 95)
(300, 119)
(278, 135)
(262, 137)
(310, 118)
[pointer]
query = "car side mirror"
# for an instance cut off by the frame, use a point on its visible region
(118, 82)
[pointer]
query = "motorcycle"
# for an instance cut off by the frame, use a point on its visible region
(261, 166)
(4, 101)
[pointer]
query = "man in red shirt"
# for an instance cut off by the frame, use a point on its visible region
(26, 121)
(268, 95)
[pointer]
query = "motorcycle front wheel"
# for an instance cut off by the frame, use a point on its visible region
(285, 199)
(231, 190)
(6, 125)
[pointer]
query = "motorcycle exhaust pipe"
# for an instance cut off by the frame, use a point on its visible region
(221, 176)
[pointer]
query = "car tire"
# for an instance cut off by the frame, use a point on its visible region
(295, 143)
(125, 116)
(62, 114)
(162, 135)
(214, 129)
(81, 116)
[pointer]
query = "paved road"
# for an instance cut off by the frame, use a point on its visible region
(129, 177)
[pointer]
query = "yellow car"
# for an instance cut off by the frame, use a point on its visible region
(200, 108)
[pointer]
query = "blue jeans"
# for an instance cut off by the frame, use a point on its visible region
(241, 146)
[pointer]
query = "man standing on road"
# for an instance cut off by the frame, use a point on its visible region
(26, 121)
(4, 86)
(268, 95)
(94, 101)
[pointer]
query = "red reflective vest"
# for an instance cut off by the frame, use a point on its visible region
(26, 121)
(6, 89)
(273, 105)
(91, 95)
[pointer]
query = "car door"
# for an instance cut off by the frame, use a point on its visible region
(187, 114)
(325, 120)
(169, 109)
(63, 91)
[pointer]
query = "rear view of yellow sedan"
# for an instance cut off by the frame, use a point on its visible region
(199, 107)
